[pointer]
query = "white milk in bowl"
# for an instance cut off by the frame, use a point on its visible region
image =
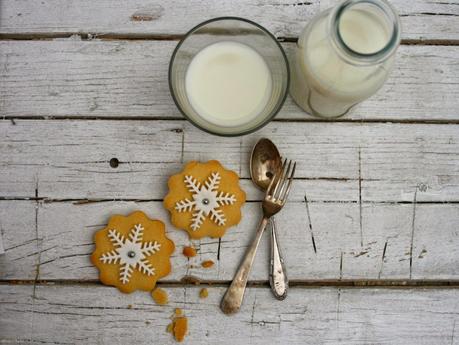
(228, 83)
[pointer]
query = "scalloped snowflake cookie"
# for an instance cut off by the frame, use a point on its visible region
(204, 199)
(132, 252)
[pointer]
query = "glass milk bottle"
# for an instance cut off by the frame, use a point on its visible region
(344, 55)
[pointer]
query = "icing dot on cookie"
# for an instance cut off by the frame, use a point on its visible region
(207, 264)
(189, 252)
(160, 296)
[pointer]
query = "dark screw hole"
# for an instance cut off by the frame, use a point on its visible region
(114, 162)
(269, 174)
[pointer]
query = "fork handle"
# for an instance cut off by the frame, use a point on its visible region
(277, 273)
(232, 300)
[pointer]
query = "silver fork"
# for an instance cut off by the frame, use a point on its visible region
(275, 198)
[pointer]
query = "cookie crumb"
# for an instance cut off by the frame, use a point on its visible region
(179, 325)
(160, 296)
(180, 328)
(207, 264)
(203, 293)
(189, 252)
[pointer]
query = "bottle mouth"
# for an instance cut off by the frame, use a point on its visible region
(380, 18)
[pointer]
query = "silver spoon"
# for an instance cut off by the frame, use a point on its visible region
(265, 161)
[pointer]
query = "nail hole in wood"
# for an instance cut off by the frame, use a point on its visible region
(114, 162)
(269, 174)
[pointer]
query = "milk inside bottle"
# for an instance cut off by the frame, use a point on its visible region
(344, 56)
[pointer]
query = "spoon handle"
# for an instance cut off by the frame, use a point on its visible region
(277, 273)
(232, 300)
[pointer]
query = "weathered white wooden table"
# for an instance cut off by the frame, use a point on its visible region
(88, 129)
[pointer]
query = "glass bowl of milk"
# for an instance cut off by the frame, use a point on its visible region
(229, 76)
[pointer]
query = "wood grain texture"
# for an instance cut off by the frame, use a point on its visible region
(18, 229)
(355, 162)
(387, 244)
(421, 19)
(65, 78)
(367, 203)
(95, 314)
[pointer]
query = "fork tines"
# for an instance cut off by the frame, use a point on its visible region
(282, 181)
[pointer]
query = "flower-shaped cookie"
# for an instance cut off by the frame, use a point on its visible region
(132, 252)
(204, 199)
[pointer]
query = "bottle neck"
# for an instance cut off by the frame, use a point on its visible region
(364, 32)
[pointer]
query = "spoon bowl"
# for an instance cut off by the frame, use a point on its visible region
(265, 161)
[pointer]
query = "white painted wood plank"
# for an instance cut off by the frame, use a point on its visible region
(387, 246)
(70, 159)
(64, 248)
(283, 18)
(343, 250)
(76, 162)
(20, 240)
(129, 78)
(95, 314)
(421, 19)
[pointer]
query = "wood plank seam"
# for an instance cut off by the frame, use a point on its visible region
(358, 283)
(79, 201)
(408, 42)
(310, 119)
(87, 36)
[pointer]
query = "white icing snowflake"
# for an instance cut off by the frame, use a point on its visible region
(206, 201)
(131, 253)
